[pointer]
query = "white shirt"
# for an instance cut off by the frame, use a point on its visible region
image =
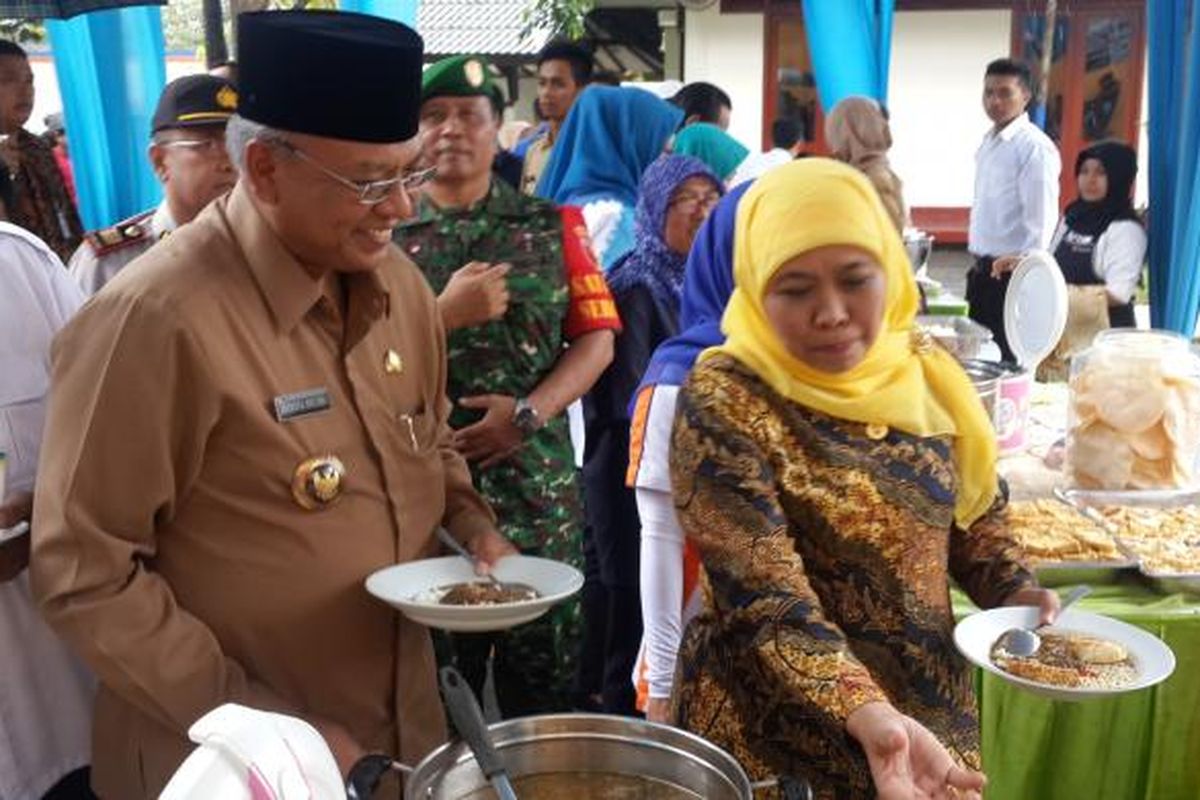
(92, 271)
(45, 694)
(1016, 191)
(602, 218)
(665, 610)
(756, 165)
(1118, 256)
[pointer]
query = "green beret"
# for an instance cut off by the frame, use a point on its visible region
(460, 76)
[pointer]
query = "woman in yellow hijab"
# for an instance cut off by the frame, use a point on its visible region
(835, 468)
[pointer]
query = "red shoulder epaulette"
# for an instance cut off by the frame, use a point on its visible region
(106, 240)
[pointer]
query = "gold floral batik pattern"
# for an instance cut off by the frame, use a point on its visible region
(827, 552)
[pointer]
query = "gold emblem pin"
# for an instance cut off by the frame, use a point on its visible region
(922, 342)
(393, 364)
(227, 98)
(317, 482)
(877, 431)
(473, 72)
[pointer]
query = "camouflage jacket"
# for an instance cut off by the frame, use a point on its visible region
(534, 492)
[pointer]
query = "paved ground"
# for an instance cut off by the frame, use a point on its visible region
(948, 266)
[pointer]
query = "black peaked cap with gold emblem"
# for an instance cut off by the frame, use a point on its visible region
(330, 73)
(194, 101)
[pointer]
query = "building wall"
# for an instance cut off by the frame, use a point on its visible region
(728, 50)
(47, 99)
(935, 92)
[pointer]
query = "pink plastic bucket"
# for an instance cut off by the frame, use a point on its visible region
(1012, 410)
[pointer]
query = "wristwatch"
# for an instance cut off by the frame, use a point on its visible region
(526, 418)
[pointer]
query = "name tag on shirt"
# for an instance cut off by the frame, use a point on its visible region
(301, 404)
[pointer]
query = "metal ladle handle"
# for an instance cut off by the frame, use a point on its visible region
(367, 772)
(468, 720)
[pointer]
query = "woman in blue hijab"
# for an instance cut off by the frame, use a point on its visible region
(677, 194)
(611, 135)
(668, 569)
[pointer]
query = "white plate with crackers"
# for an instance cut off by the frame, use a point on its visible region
(1127, 657)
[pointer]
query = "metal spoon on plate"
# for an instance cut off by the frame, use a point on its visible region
(1023, 642)
(448, 540)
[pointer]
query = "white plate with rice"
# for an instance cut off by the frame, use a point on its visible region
(416, 589)
(1153, 661)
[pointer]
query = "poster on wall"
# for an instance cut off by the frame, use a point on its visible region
(1108, 74)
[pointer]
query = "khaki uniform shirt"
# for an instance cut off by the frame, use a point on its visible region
(170, 550)
(107, 251)
(536, 158)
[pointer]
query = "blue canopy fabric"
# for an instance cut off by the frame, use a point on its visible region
(111, 70)
(1174, 45)
(399, 10)
(850, 43)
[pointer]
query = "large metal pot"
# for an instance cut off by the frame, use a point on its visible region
(986, 375)
(584, 743)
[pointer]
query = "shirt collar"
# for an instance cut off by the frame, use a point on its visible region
(1013, 128)
(162, 222)
(497, 200)
(288, 289)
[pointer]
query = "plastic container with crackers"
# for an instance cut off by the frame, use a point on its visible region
(1133, 428)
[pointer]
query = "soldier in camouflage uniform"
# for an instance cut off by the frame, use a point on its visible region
(531, 325)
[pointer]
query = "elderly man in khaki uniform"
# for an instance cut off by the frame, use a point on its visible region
(251, 419)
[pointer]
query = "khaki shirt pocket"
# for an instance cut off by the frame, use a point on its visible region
(418, 430)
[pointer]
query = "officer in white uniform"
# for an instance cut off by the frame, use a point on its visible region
(187, 151)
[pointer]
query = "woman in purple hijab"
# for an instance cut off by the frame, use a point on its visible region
(677, 193)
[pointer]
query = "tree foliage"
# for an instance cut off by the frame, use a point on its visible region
(25, 31)
(558, 17)
(183, 20)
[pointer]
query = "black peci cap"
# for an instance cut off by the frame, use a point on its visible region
(195, 100)
(330, 73)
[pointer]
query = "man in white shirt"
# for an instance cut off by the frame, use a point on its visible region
(787, 142)
(1016, 193)
(45, 694)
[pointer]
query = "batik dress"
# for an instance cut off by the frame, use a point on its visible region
(827, 547)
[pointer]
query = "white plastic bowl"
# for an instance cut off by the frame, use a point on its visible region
(976, 634)
(407, 587)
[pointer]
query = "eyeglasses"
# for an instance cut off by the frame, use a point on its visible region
(369, 192)
(207, 147)
(689, 202)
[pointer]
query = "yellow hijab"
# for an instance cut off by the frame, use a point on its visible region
(904, 381)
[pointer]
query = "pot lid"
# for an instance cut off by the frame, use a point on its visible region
(1035, 308)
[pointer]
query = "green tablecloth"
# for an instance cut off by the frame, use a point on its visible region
(1143, 745)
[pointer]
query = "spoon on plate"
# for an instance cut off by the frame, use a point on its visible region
(453, 543)
(1023, 642)
(448, 540)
